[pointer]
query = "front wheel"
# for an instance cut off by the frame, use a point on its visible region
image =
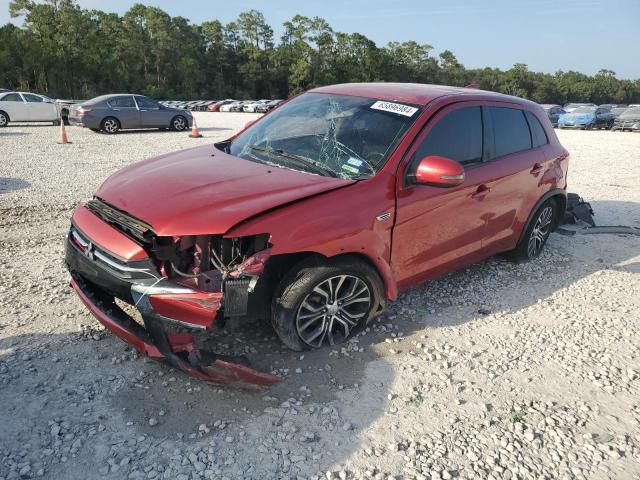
(535, 237)
(325, 301)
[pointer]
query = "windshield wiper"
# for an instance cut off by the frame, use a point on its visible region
(304, 161)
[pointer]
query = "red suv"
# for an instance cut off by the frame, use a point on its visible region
(315, 216)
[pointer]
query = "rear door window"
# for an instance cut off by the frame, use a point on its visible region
(538, 135)
(122, 102)
(457, 136)
(12, 97)
(510, 131)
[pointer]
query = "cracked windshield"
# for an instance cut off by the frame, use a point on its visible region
(331, 135)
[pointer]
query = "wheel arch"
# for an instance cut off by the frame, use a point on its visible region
(6, 114)
(557, 194)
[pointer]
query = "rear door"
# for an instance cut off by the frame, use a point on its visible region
(151, 115)
(39, 110)
(124, 108)
(517, 172)
(439, 229)
(15, 106)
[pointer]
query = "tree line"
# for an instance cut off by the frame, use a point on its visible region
(70, 52)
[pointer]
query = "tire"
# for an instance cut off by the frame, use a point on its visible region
(4, 119)
(94, 129)
(179, 123)
(110, 125)
(299, 310)
(56, 123)
(535, 237)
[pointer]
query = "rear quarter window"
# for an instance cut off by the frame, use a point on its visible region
(510, 131)
(122, 102)
(538, 135)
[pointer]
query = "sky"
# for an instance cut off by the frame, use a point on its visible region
(547, 35)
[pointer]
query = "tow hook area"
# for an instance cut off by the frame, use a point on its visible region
(181, 351)
(178, 349)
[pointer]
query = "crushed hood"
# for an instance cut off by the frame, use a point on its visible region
(206, 191)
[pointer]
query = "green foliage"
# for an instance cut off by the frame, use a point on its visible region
(517, 417)
(70, 52)
(416, 401)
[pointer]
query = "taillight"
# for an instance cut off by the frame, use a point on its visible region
(83, 111)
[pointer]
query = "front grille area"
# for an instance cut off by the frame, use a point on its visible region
(122, 221)
(139, 269)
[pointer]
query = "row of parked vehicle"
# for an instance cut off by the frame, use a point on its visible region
(227, 105)
(111, 113)
(587, 116)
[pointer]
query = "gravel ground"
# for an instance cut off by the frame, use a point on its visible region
(497, 371)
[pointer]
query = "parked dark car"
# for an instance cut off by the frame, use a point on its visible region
(628, 120)
(111, 113)
(587, 118)
(553, 112)
(314, 217)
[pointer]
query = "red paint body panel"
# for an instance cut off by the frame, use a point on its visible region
(198, 309)
(205, 191)
(105, 236)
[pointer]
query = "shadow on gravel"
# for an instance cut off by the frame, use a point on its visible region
(102, 381)
(11, 184)
(13, 134)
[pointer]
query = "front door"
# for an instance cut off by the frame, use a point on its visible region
(151, 115)
(440, 229)
(39, 110)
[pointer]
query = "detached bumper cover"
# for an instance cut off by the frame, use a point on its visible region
(97, 286)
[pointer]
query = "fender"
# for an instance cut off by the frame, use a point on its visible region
(343, 221)
(551, 193)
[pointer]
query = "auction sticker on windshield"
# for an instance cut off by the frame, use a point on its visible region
(398, 108)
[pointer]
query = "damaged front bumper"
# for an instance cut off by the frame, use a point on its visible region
(99, 277)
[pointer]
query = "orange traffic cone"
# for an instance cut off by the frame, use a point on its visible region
(195, 133)
(63, 134)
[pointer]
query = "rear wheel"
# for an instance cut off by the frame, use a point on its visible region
(325, 301)
(179, 123)
(535, 237)
(4, 119)
(110, 125)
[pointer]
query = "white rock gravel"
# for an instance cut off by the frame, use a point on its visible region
(498, 371)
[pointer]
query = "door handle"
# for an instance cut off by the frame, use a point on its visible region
(537, 169)
(480, 192)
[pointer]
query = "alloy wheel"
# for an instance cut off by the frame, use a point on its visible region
(179, 123)
(540, 232)
(333, 308)
(3, 120)
(110, 125)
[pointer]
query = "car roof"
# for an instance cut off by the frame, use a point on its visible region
(415, 93)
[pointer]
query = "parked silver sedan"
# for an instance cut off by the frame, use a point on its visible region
(111, 113)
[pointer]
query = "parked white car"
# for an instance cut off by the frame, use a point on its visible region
(251, 107)
(27, 107)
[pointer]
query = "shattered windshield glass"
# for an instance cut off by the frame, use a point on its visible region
(330, 135)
